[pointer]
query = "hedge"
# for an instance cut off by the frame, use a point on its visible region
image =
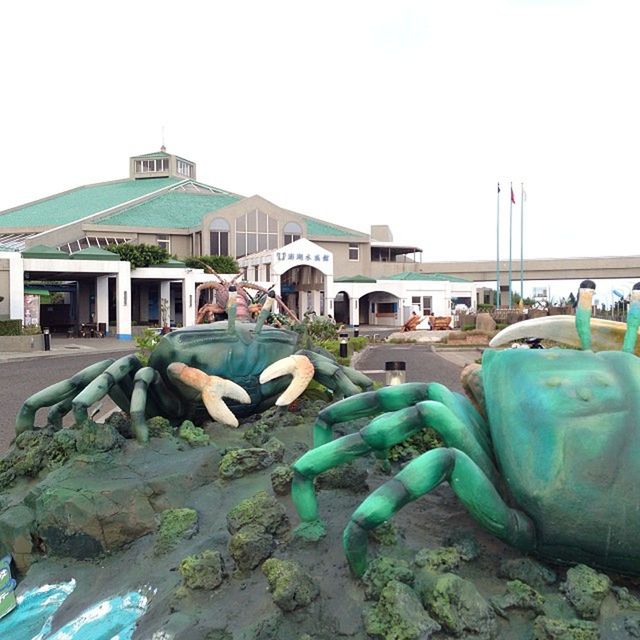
(10, 327)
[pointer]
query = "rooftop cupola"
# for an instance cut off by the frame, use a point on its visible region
(161, 165)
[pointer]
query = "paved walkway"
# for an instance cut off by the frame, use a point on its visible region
(70, 346)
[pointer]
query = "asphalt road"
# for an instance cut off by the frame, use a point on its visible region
(21, 378)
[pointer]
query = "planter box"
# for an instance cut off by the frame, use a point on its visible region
(22, 344)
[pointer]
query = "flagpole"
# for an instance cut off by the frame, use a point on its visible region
(498, 248)
(510, 239)
(522, 240)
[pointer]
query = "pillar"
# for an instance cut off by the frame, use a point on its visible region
(16, 287)
(354, 311)
(188, 300)
(165, 295)
(316, 296)
(123, 301)
(102, 301)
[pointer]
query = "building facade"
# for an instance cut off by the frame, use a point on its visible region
(360, 278)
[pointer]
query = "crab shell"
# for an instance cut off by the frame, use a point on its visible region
(240, 356)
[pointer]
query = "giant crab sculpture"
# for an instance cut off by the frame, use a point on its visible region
(191, 370)
(545, 455)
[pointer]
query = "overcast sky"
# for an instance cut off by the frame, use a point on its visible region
(404, 113)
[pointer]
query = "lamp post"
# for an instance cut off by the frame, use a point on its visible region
(344, 343)
(395, 373)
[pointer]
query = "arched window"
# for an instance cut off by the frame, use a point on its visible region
(219, 237)
(255, 231)
(292, 232)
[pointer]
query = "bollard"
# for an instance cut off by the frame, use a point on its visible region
(395, 372)
(47, 339)
(356, 330)
(344, 342)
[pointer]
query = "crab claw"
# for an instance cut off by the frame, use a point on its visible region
(213, 389)
(302, 370)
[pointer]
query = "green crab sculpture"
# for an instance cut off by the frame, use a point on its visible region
(191, 370)
(545, 454)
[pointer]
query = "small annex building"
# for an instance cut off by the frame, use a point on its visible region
(54, 262)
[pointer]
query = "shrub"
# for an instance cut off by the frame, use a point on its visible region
(141, 255)
(220, 264)
(146, 343)
(10, 327)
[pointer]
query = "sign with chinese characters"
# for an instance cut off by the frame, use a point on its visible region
(302, 257)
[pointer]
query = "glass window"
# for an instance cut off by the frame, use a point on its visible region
(255, 231)
(164, 241)
(292, 232)
(354, 252)
(219, 237)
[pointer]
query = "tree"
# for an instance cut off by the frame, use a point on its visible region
(220, 264)
(141, 255)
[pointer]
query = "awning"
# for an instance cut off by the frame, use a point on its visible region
(35, 291)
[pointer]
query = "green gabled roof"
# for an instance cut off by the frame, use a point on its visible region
(81, 202)
(44, 251)
(418, 275)
(94, 253)
(318, 228)
(155, 154)
(171, 262)
(358, 278)
(175, 209)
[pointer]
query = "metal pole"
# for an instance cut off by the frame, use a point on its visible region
(522, 240)
(510, 238)
(498, 249)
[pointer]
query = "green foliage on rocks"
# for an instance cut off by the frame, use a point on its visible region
(585, 589)
(291, 587)
(175, 525)
(195, 436)
(398, 615)
(262, 510)
(159, 427)
(203, 571)
(383, 570)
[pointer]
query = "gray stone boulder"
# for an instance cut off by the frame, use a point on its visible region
(203, 571)
(484, 322)
(585, 589)
(527, 570)
(399, 615)
(290, 586)
(250, 546)
(546, 628)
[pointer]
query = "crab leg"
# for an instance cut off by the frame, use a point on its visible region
(422, 475)
(372, 403)
(633, 320)
(583, 313)
(50, 397)
(298, 366)
(107, 383)
(265, 312)
(380, 435)
(212, 389)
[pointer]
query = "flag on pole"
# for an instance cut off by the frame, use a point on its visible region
(513, 196)
(498, 187)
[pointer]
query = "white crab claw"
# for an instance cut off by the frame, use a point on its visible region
(302, 370)
(606, 334)
(213, 389)
(212, 395)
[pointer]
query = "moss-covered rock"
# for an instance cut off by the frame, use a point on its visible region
(626, 600)
(17, 526)
(276, 448)
(175, 525)
(383, 570)
(159, 427)
(527, 570)
(586, 589)
(466, 543)
(555, 629)
(291, 587)
(239, 462)
(518, 596)
(398, 615)
(250, 546)
(442, 559)
(97, 438)
(261, 510)
(121, 422)
(202, 571)
(456, 604)
(195, 436)
(281, 478)
(386, 535)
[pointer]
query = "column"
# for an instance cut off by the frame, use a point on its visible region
(123, 301)
(188, 300)
(316, 301)
(354, 312)
(16, 287)
(164, 303)
(102, 301)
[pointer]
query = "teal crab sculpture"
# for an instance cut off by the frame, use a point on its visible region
(193, 370)
(545, 454)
